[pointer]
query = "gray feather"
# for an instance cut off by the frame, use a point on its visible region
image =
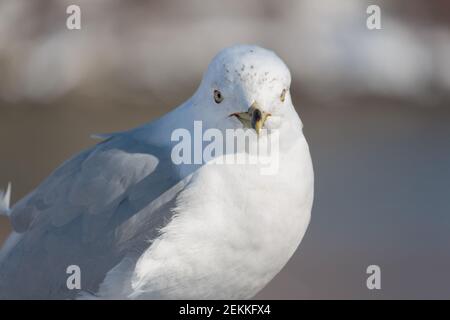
(95, 210)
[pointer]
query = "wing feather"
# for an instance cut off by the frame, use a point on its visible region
(83, 214)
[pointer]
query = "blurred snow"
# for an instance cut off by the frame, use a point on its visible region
(163, 46)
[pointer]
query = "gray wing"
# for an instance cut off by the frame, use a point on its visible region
(97, 208)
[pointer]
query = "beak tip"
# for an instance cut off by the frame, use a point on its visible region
(253, 118)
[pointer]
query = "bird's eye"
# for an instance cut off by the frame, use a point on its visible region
(283, 95)
(218, 97)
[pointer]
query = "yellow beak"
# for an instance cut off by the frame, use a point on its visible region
(254, 117)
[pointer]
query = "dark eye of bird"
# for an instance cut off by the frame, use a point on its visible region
(218, 96)
(283, 95)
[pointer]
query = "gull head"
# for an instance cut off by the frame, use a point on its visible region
(245, 86)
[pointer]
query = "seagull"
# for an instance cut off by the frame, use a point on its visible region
(129, 222)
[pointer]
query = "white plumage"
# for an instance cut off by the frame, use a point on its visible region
(5, 199)
(141, 227)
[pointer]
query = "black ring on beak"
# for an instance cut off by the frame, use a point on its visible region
(256, 116)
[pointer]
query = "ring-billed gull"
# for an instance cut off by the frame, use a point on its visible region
(139, 225)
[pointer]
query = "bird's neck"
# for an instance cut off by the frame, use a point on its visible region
(165, 131)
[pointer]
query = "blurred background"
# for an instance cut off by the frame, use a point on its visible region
(375, 105)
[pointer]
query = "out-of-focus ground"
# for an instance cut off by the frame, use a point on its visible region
(375, 105)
